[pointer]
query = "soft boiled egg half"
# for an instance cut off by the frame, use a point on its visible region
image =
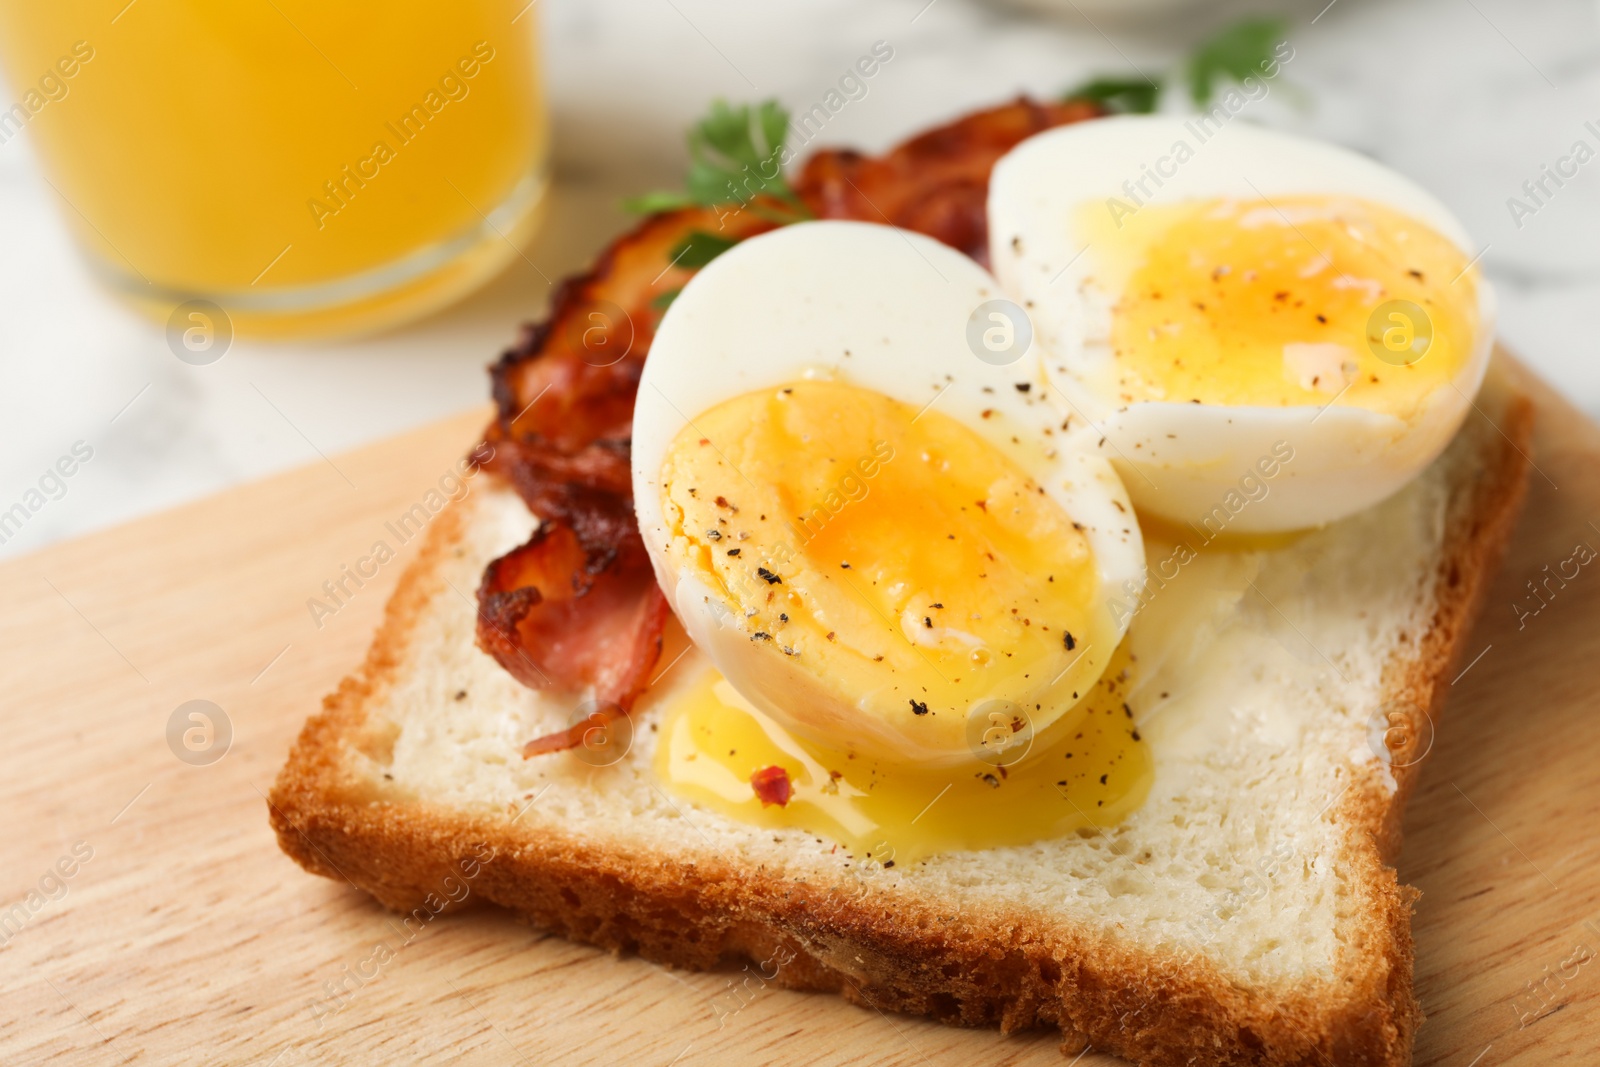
(1261, 332)
(877, 537)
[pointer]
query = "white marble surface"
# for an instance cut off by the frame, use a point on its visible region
(1470, 97)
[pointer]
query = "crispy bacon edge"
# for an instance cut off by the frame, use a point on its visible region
(577, 605)
(937, 183)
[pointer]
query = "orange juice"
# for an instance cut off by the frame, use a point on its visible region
(306, 165)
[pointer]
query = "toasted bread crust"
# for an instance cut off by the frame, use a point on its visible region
(889, 949)
(1467, 566)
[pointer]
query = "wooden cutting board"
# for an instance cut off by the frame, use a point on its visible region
(182, 934)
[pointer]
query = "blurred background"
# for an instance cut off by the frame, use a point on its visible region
(1472, 98)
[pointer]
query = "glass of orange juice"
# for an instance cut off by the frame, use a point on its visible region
(305, 166)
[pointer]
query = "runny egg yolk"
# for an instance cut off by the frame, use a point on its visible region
(894, 568)
(1083, 776)
(1297, 301)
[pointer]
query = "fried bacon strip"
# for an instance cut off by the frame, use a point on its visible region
(554, 618)
(936, 183)
(577, 605)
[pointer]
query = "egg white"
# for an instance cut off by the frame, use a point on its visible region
(1181, 460)
(875, 307)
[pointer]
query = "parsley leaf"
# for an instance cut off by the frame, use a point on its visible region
(663, 300)
(650, 203)
(1247, 48)
(1243, 50)
(1131, 96)
(700, 248)
(736, 153)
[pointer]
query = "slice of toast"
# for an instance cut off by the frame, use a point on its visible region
(1243, 914)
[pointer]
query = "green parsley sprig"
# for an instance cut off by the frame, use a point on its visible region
(1124, 96)
(1246, 48)
(692, 253)
(736, 159)
(736, 154)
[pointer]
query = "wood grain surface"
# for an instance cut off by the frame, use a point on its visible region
(147, 915)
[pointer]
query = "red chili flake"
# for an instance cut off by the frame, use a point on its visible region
(772, 786)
